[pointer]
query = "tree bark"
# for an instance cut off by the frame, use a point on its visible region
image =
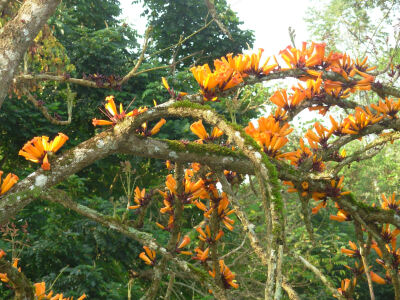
(17, 35)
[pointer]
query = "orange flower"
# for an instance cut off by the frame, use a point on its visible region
(169, 226)
(320, 205)
(341, 216)
(207, 80)
(303, 155)
(363, 66)
(171, 90)
(228, 278)
(387, 204)
(144, 131)
(352, 253)
(40, 289)
(198, 129)
(40, 293)
(345, 284)
(3, 277)
(306, 57)
(185, 241)
(149, 256)
(321, 137)
(389, 108)
(201, 255)
(269, 135)
(8, 182)
(250, 64)
(139, 199)
(206, 236)
(38, 149)
(112, 113)
(334, 190)
(224, 212)
(376, 278)
(281, 99)
(388, 235)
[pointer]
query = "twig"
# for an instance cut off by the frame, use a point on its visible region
(170, 286)
(359, 235)
(44, 110)
(319, 274)
(140, 60)
(213, 12)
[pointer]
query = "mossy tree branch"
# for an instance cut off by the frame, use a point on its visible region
(21, 285)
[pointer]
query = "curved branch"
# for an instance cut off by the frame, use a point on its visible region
(44, 110)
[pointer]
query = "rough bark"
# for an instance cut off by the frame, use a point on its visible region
(17, 35)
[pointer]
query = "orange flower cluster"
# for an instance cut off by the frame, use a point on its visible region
(314, 59)
(321, 137)
(112, 114)
(198, 129)
(192, 191)
(269, 135)
(206, 236)
(182, 244)
(8, 183)
(390, 238)
(390, 203)
(173, 94)
(217, 202)
(228, 278)
(229, 72)
(39, 148)
(149, 256)
(306, 57)
(140, 199)
(361, 119)
(292, 189)
(389, 108)
(201, 255)
(144, 131)
(341, 216)
(354, 252)
(304, 156)
(40, 293)
(333, 190)
(281, 99)
(345, 287)
(40, 288)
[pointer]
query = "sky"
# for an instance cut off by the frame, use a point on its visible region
(269, 19)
